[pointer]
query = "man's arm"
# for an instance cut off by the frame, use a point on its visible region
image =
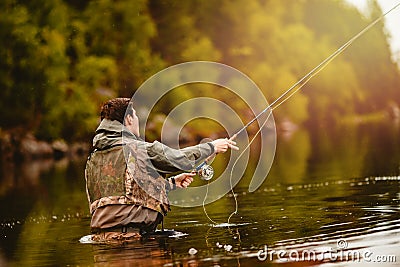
(167, 160)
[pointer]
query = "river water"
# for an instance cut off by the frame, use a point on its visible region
(331, 199)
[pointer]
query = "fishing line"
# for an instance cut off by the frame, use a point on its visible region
(289, 93)
(204, 206)
(259, 130)
(234, 164)
(230, 177)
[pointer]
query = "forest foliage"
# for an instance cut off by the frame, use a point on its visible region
(61, 59)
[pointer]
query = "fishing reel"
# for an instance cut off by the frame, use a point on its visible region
(205, 171)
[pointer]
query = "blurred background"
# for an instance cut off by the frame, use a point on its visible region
(60, 60)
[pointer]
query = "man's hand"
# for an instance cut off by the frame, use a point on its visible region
(221, 145)
(183, 180)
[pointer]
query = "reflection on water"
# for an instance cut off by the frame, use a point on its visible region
(323, 191)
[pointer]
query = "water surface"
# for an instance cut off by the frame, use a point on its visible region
(335, 193)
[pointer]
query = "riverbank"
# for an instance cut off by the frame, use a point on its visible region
(15, 145)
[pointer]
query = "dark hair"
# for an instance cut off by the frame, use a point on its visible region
(114, 109)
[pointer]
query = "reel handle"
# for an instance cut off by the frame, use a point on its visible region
(205, 171)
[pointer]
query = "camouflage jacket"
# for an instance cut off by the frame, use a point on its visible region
(122, 169)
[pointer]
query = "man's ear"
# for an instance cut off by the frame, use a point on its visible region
(128, 120)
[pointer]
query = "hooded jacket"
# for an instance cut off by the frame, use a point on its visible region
(123, 169)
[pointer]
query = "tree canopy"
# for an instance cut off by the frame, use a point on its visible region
(61, 59)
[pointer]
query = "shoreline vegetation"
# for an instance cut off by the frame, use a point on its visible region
(26, 147)
(62, 59)
(22, 146)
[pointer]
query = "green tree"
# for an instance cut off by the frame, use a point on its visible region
(369, 68)
(61, 59)
(122, 30)
(22, 70)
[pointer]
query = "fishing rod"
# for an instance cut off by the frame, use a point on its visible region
(206, 172)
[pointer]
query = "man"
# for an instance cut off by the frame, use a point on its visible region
(126, 190)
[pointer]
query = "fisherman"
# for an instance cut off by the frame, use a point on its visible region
(125, 183)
